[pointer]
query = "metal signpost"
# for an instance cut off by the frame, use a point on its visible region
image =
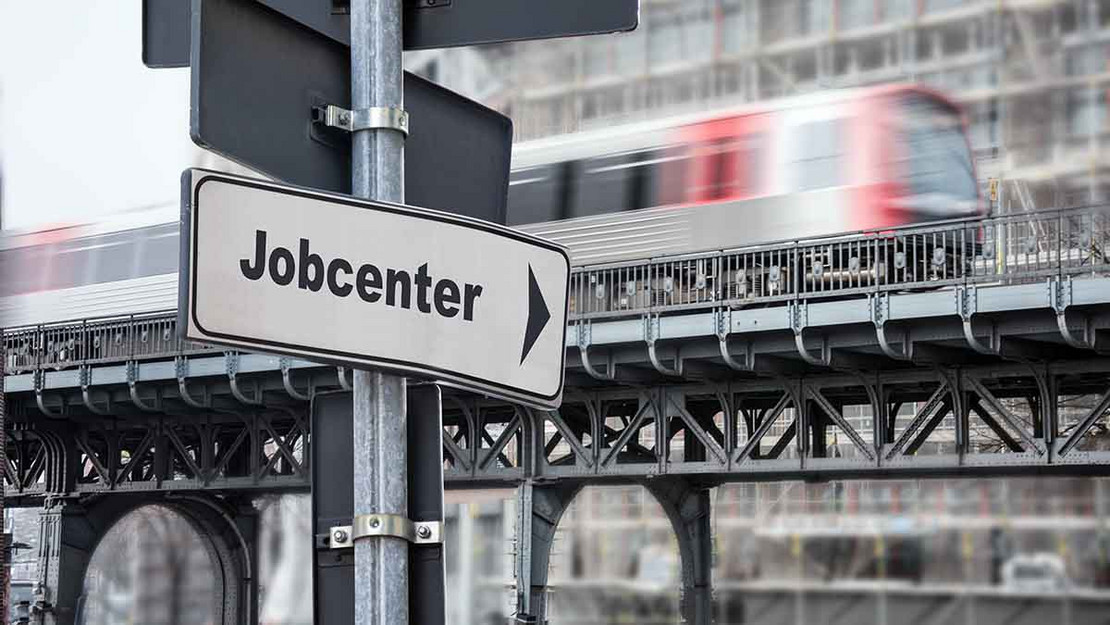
(369, 283)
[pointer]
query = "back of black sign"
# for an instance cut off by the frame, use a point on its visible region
(256, 76)
(449, 23)
(333, 503)
(471, 22)
(438, 24)
(166, 33)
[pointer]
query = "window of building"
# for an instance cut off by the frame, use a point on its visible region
(856, 14)
(734, 27)
(1086, 112)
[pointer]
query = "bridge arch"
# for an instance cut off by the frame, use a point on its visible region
(686, 507)
(74, 533)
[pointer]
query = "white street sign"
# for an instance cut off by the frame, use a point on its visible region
(328, 277)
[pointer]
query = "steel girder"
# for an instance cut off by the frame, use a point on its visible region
(1001, 419)
(234, 436)
(1004, 418)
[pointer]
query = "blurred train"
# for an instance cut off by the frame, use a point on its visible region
(814, 165)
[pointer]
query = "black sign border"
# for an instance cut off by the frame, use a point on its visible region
(188, 273)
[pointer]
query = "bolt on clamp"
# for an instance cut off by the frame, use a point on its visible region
(380, 525)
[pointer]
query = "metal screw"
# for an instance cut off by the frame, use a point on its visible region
(424, 532)
(339, 536)
(375, 522)
(344, 118)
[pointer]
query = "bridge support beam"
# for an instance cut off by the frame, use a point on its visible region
(687, 506)
(539, 508)
(67, 538)
(70, 532)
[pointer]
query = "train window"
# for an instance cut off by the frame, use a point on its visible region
(22, 270)
(818, 152)
(115, 261)
(607, 184)
(535, 194)
(738, 159)
(646, 186)
(673, 175)
(88, 261)
(67, 268)
(161, 252)
(938, 159)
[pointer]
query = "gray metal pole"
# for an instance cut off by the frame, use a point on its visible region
(380, 443)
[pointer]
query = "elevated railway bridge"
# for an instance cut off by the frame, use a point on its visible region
(952, 349)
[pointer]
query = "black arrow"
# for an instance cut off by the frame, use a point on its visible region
(538, 315)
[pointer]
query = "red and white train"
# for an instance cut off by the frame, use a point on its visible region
(815, 165)
(822, 164)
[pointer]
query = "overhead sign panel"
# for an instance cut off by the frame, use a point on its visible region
(257, 75)
(428, 24)
(289, 270)
(472, 22)
(166, 33)
(448, 23)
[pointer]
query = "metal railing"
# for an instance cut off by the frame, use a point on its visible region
(1009, 249)
(116, 339)
(1024, 247)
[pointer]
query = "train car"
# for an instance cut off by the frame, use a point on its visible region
(815, 165)
(120, 265)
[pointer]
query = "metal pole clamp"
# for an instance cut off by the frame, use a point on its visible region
(380, 525)
(375, 118)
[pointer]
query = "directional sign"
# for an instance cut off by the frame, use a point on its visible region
(428, 23)
(256, 76)
(289, 270)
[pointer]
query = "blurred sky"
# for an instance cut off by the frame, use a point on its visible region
(85, 128)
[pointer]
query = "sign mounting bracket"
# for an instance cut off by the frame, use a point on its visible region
(381, 525)
(375, 118)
